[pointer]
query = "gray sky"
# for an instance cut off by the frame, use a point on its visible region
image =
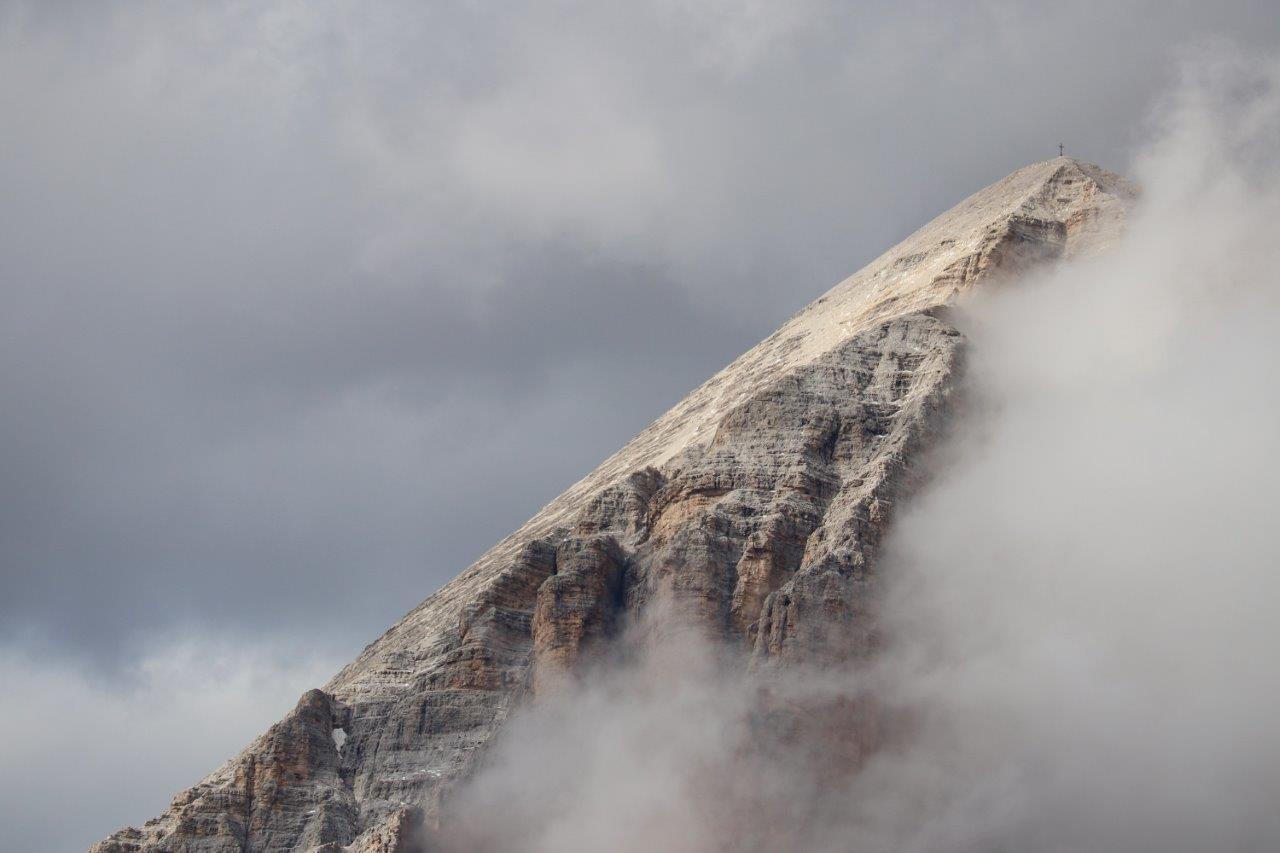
(306, 305)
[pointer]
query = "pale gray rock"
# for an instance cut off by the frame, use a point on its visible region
(754, 507)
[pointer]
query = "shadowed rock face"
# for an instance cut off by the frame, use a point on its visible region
(753, 509)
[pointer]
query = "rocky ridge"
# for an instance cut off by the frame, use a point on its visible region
(755, 506)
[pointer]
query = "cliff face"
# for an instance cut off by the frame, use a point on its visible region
(753, 508)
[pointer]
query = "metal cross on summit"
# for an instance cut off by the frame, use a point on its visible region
(1060, 154)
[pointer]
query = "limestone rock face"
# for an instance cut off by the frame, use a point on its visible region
(753, 508)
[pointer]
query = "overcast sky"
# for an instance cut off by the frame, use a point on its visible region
(307, 304)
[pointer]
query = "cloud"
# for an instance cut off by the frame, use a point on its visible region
(732, 36)
(83, 756)
(1081, 603)
(630, 759)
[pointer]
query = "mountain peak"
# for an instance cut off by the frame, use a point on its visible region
(753, 508)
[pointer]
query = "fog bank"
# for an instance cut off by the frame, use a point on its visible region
(1083, 606)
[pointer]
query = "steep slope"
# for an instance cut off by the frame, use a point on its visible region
(754, 507)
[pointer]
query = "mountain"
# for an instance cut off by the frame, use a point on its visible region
(752, 510)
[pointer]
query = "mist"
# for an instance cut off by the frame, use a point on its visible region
(1079, 607)
(1083, 605)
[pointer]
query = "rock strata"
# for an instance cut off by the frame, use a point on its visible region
(753, 508)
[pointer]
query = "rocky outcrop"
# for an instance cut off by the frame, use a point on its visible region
(753, 510)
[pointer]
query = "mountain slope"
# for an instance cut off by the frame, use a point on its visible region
(753, 509)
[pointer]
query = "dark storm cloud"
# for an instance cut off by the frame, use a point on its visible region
(267, 468)
(306, 305)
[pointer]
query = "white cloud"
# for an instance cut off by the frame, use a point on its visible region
(1082, 605)
(81, 756)
(732, 36)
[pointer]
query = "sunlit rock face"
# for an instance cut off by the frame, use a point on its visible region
(751, 512)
